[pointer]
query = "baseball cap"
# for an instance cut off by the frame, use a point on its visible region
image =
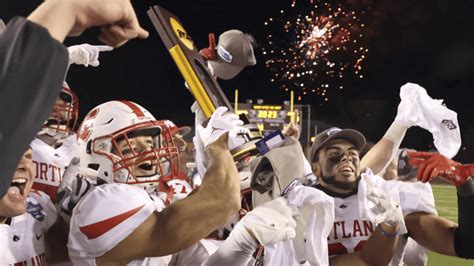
(234, 53)
(185, 130)
(351, 135)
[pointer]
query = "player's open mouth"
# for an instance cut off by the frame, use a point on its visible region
(346, 169)
(148, 166)
(17, 186)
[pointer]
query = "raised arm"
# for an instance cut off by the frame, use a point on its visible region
(416, 108)
(187, 221)
(385, 149)
(116, 18)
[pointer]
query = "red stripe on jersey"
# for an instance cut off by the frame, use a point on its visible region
(359, 245)
(336, 249)
(93, 231)
(134, 108)
(20, 263)
(51, 190)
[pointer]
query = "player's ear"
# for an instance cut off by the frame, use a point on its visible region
(316, 167)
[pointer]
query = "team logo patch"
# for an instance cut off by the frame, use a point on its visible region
(449, 124)
(224, 54)
(181, 33)
(84, 132)
(92, 114)
(36, 210)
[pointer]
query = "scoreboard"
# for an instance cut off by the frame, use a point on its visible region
(269, 118)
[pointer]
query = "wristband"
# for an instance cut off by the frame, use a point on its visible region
(388, 234)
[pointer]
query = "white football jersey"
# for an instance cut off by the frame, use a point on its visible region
(316, 211)
(181, 188)
(22, 241)
(350, 231)
(49, 164)
(110, 213)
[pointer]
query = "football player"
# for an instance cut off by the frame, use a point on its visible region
(53, 147)
(125, 151)
(25, 217)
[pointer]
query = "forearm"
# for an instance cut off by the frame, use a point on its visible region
(210, 207)
(380, 247)
(385, 149)
(237, 249)
(33, 68)
(432, 232)
(353, 259)
(57, 16)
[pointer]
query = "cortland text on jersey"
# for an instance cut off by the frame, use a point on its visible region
(348, 236)
(47, 178)
(49, 164)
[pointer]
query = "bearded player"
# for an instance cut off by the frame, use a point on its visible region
(336, 162)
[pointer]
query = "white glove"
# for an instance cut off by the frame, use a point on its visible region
(221, 122)
(381, 207)
(86, 54)
(71, 190)
(417, 108)
(313, 211)
(199, 117)
(270, 222)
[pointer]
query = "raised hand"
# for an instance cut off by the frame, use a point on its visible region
(222, 122)
(71, 189)
(86, 54)
(431, 165)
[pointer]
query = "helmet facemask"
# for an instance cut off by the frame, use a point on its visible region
(141, 155)
(62, 120)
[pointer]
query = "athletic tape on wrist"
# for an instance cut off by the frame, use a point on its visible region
(396, 132)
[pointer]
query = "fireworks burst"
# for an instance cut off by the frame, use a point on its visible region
(313, 47)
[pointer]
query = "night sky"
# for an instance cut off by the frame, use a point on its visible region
(427, 42)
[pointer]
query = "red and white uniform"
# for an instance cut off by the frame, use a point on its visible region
(22, 241)
(350, 231)
(110, 213)
(49, 164)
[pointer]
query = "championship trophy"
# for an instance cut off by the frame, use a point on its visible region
(202, 85)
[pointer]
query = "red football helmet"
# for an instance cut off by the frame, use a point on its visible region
(108, 146)
(62, 120)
